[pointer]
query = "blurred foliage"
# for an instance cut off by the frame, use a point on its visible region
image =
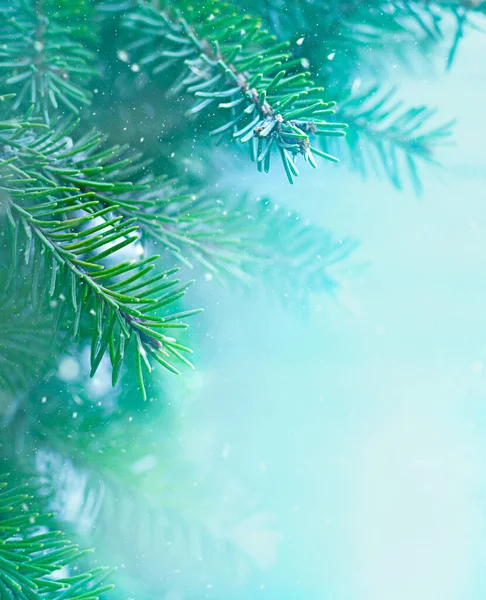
(386, 134)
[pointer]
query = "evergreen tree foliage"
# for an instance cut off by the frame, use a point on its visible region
(47, 60)
(232, 63)
(114, 116)
(355, 40)
(31, 552)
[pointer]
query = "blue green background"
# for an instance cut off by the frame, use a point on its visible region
(362, 428)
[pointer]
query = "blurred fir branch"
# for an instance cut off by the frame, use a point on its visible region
(166, 537)
(108, 493)
(386, 134)
(35, 561)
(251, 240)
(230, 63)
(423, 23)
(26, 336)
(294, 258)
(354, 30)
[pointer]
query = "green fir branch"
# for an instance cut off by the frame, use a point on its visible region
(423, 23)
(253, 241)
(36, 561)
(227, 239)
(166, 533)
(170, 529)
(188, 227)
(44, 59)
(75, 234)
(236, 68)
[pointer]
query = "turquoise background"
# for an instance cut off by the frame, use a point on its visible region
(362, 429)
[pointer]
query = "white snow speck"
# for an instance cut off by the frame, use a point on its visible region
(123, 56)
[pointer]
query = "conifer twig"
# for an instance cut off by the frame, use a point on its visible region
(230, 63)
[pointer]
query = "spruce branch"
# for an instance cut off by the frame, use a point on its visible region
(384, 133)
(162, 528)
(429, 21)
(253, 241)
(42, 58)
(188, 227)
(272, 246)
(235, 67)
(32, 554)
(196, 228)
(26, 337)
(423, 23)
(296, 258)
(351, 27)
(236, 240)
(75, 237)
(169, 529)
(231, 240)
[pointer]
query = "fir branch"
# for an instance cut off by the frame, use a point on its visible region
(116, 503)
(352, 27)
(32, 555)
(430, 21)
(422, 23)
(252, 241)
(162, 530)
(230, 63)
(195, 229)
(73, 233)
(26, 337)
(42, 58)
(295, 258)
(231, 240)
(189, 228)
(268, 245)
(388, 135)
